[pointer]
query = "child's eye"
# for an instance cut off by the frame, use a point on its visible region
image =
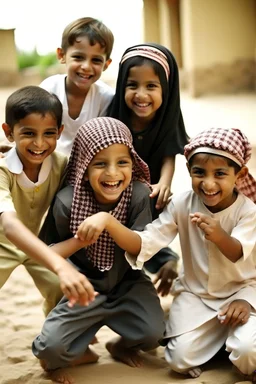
(28, 133)
(77, 57)
(130, 84)
(50, 133)
(97, 61)
(123, 162)
(197, 172)
(99, 164)
(152, 86)
(220, 174)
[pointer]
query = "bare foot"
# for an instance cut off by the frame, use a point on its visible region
(195, 372)
(120, 353)
(60, 376)
(88, 357)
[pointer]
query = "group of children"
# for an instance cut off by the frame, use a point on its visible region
(97, 200)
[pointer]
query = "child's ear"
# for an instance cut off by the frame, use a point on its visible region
(8, 132)
(108, 62)
(242, 173)
(60, 131)
(61, 55)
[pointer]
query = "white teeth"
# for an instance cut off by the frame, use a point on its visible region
(142, 105)
(37, 152)
(112, 183)
(209, 193)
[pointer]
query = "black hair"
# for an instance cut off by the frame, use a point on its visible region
(32, 99)
(230, 162)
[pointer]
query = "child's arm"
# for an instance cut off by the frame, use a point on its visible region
(228, 245)
(163, 188)
(90, 229)
(75, 286)
(237, 312)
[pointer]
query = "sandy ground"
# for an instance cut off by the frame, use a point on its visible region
(20, 303)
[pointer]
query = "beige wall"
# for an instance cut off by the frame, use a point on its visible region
(8, 63)
(217, 31)
(8, 50)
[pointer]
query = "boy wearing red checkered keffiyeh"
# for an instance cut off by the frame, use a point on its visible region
(105, 177)
(215, 293)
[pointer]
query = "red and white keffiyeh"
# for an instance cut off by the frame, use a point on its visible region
(230, 143)
(92, 137)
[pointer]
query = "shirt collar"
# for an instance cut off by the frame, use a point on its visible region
(15, 165)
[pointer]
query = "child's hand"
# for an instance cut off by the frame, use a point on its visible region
(92, 227)
(166, 274)
(208, 225)
(163, 192)
(236, 313)
(75, 286)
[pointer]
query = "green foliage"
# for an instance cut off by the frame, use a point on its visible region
(33, 59)
(28, 59)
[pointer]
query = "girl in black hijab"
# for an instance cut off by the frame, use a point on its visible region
(147, 100)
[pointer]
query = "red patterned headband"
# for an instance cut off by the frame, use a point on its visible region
(150, 53)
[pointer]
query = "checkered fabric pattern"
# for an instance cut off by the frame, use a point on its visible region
(232, 141)
(91, 138)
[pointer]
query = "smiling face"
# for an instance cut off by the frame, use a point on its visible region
(143, 92)
(110, 173)
(213, 180)
(84, 63)
(35, 137)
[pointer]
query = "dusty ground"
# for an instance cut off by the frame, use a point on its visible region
(20, 303)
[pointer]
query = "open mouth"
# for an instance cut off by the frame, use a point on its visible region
(111, 185)
(142, 105)
(36, 153)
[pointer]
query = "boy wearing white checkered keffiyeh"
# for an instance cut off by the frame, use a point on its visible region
(105, 177)
(215, 294)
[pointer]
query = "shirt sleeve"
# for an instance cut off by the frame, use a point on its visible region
(245, 233)
(6, 201)
(155, 236)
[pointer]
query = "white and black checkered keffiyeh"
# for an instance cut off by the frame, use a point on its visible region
(230, 143)
(92, 137)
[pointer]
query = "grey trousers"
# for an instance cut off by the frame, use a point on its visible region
(136, 315)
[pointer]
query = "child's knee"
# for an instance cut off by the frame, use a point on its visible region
(179, 355)
(242, 353)
(52, 350)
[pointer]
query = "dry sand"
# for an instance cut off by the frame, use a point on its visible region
(20, 303)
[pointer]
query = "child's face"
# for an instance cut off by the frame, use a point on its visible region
(213, 180)
(35, 137)
(143, 92)
(110, 173)
(84, 63)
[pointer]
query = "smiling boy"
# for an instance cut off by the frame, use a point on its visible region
(85, 49)
(30, 176)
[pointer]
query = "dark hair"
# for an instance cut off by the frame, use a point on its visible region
(230, 162)
(32, 99)
(93, 29)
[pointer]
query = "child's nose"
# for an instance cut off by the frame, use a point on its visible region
(85, 64)
(111, 170)
(140, 92)
(209, 182)
(38, 141)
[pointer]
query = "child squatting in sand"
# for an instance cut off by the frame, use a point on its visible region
(105, 174)
(215, 293)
